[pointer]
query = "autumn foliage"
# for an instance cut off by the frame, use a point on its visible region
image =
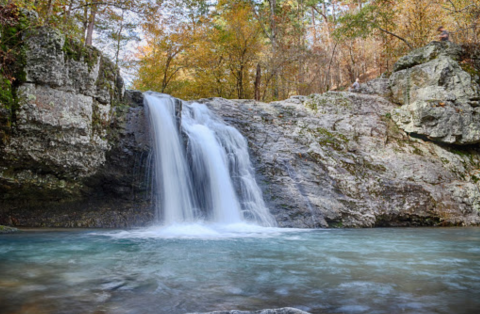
(265, 50)
(274, 49)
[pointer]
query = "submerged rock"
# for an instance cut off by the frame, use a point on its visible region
(285, 310)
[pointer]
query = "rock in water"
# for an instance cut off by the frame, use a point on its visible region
(7, 229)
(439, 98)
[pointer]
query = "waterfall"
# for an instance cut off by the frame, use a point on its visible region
(202, 168)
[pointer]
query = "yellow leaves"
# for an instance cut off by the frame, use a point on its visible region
(217, 52)
(212, 58)
(418, 20)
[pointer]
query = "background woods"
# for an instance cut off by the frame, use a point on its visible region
(265, 50)
(273, 49)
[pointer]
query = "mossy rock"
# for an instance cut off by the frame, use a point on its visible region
(12, 70)
(77, 51)
(7, 229)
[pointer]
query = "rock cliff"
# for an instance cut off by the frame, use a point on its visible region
(74, 149)
(346, 159)
(72, 154)
(437, 86)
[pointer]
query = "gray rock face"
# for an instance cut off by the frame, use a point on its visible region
(379, 86)
(427, 53)
(439, 98)
(285, 310)
(338, 160)
(76, 154)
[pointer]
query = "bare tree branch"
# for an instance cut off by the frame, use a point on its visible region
(395, 35)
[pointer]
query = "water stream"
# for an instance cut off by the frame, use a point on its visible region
(403, 270)
(202, 170)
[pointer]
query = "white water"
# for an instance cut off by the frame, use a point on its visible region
(209, 182)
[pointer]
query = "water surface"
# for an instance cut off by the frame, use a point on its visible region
(173, 271)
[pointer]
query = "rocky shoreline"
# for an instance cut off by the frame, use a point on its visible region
(6, 229)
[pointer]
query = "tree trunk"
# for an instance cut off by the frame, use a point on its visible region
(258, 78)
(273, 5)
(67, 12)
(119, 39)
(314, 29)
(240, 83)
(84, 21)
(49, 10)
(273, 26)
(90, 27)
(334, 7)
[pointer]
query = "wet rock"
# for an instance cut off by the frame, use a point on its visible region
(134, 98)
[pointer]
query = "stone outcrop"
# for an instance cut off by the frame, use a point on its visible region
(74, 154)
(285, 310)
(438, 90)
(339, 160)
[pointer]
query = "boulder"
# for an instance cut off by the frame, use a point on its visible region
(424, 54)
(379, 86)
(439, 98)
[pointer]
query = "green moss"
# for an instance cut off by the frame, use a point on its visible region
(459, 152)
(470, 69)
(336, 224)
(75, 50)
(417, 151)
(97, 124)
(375, 167)
(325, 137)
(12, 71)
(107, 79)
(334, 98)
(7, 98)
(11, 44)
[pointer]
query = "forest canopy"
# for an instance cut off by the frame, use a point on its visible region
(266, 50)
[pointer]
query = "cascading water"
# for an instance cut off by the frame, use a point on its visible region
(212, 179)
